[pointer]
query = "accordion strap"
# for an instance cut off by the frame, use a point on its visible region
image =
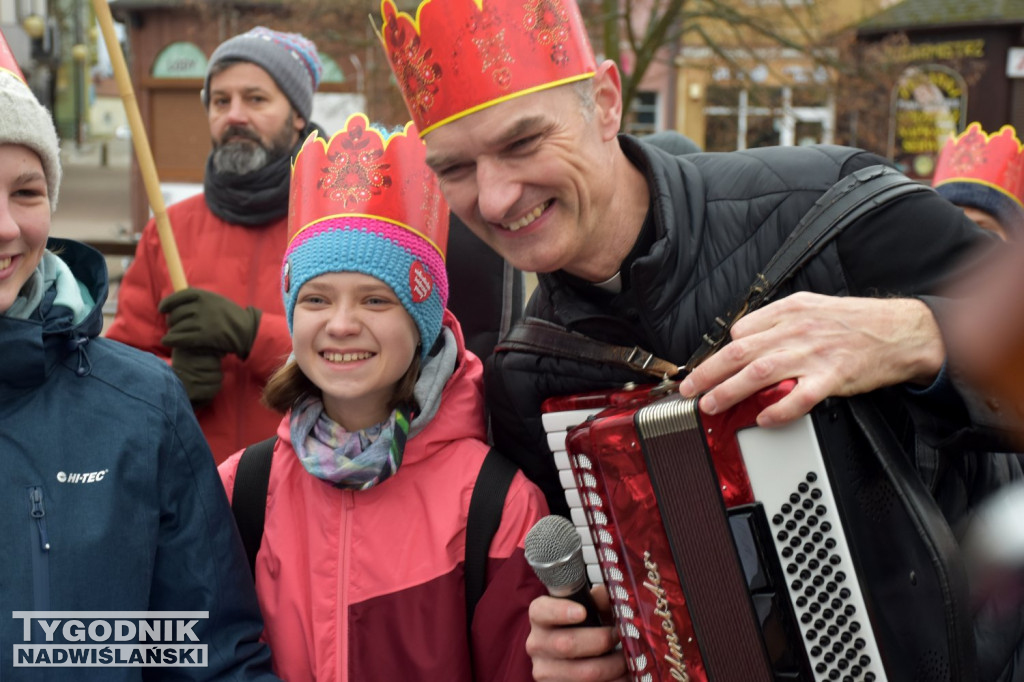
(845, 202)
(534, 335)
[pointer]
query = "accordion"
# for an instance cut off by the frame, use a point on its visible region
(734, 553)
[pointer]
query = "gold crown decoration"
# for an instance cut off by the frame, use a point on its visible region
(995, 161)
(456, 57)
(364, 173)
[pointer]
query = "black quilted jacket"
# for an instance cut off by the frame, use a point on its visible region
(714, 221)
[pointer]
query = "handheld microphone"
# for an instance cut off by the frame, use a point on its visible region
(554, 551)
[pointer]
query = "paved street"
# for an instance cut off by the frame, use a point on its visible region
(94, 200)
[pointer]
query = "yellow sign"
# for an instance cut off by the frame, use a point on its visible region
(929, 103)
(949, 50)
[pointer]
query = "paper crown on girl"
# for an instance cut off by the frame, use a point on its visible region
(7, 61)
(983, 171)
(366, 202)
(460, 56)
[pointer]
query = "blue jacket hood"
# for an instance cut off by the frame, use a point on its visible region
(33, 347)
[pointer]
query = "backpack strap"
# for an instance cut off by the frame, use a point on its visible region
(249, 504)
(249, 496)
(485, 507)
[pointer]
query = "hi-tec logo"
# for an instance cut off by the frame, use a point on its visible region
(91, 477)
(93, 639)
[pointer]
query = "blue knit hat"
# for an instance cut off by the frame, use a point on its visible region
(289, 58)
(366, 202)
(991, 200)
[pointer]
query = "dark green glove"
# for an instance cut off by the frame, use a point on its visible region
(200, 373)
(197, 318)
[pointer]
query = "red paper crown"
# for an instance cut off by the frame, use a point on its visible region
(7, 62)
(360, 173)
(460, 56)
(996, 161)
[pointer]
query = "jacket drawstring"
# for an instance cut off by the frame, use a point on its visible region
(78, 343)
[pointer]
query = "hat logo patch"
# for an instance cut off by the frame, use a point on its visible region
(420, 282)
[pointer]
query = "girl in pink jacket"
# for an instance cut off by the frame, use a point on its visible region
(360, 573)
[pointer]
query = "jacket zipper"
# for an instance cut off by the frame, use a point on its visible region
(40, 542)
(344, 546)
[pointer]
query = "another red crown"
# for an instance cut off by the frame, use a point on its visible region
(996, 160)
(363, 173)
(7, 62)
(460, 56)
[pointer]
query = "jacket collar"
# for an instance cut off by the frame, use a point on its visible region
(33, 347)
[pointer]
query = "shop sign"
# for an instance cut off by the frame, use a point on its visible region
(180, 60)
(929, 103)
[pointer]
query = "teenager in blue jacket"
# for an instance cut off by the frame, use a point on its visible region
(109, 499)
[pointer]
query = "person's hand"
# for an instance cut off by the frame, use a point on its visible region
(832, 346)
(200, 373)
(197, 318)
(573, 654)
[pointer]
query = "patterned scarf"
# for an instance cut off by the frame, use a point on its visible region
(351, 461)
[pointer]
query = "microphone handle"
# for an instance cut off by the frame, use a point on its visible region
(582, 596)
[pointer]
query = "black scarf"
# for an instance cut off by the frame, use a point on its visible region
(252, 199)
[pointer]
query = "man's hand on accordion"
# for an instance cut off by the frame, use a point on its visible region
(561, 652)
(832, 346)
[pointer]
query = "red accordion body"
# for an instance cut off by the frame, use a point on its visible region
(721, 543)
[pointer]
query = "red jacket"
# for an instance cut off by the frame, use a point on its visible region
(240, 263)
(368, 586)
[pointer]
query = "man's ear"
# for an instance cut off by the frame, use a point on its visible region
(608, 98)
(300, 123)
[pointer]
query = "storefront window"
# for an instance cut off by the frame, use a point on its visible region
(744, 118)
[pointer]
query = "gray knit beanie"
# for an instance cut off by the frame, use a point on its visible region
(24, 121)
(290, 59)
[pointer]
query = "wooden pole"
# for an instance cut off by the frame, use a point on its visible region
(143, 153)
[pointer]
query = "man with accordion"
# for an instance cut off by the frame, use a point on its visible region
(643, 255)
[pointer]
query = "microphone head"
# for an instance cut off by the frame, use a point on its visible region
(555, 552)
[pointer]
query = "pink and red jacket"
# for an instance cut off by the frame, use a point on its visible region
(364, 586)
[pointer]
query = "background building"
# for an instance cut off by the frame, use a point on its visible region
(763, 72)
(169, 42)
(943, 64)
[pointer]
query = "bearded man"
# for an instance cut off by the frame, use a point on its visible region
(226, 333)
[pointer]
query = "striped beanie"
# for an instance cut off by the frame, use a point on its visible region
(366, 202)
(290, 59)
